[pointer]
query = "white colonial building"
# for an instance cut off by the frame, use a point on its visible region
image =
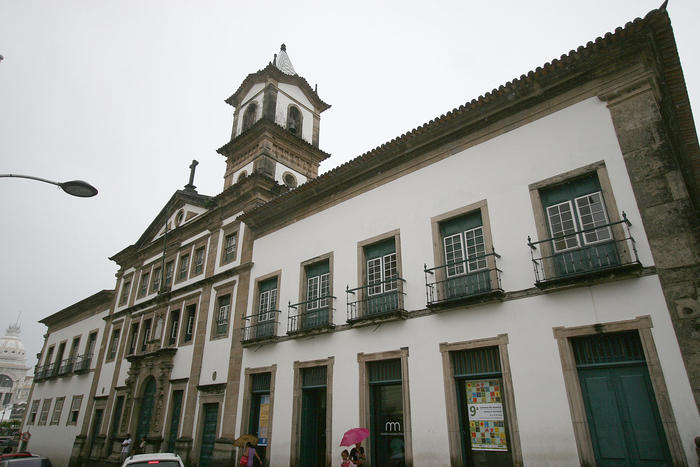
(512, 283)
(63, 393)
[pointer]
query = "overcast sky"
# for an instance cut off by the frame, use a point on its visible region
(124, 94)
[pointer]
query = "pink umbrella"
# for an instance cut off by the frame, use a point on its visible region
(354, 436)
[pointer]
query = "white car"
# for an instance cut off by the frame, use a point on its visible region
(159, 459)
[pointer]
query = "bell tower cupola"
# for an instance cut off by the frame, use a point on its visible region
(276, 125)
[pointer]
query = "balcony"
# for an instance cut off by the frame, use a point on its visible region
(66, 366)
(50, 370)
(380, 300)
(475, 279)
(260, 327)
(39, 373)
(82, 363)
(311, 315)
(572, 258)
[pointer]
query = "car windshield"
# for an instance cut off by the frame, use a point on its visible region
(154, 462)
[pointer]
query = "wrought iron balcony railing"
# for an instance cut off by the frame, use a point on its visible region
(39, 372)
(582, 258)
(474, 278)
(82, 363)
(50, 370)
(66, 366)
(260, 326)
(311, 314)
(378, 299)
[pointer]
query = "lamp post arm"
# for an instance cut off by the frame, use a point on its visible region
(31, 178)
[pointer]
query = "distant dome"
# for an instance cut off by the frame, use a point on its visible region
(11, 346)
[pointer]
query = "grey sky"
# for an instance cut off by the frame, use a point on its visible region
(124, 94)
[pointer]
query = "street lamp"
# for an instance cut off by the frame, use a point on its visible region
(73, 187)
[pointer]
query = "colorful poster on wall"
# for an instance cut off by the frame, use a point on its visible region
(487, 427)
(263, 420)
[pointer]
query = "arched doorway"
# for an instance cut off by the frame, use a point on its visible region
(147, 401)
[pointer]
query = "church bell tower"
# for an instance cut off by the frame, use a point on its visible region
(276, 125)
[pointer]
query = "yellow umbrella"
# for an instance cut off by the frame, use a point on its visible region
(243, 439)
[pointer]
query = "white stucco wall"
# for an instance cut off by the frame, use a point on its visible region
(498, 170)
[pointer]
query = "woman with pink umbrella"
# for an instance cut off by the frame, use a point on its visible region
(355, 436)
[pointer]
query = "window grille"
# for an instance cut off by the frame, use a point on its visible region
(384, 371)
(313, 377)
(475, 362)
(602, 349)
(260, 382)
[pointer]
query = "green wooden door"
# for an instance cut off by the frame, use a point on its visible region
(175, 420)
(313, 428)
(146, 411)
(210, 416)
(622, 417)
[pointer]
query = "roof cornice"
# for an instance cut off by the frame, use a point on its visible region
(272, 72)
(597, 59)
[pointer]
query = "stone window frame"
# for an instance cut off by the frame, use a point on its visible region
(94, 354)
(178, 267)
(362, 262)
(113, 343)
(364, 392)
(156, 267)
(541, 223)
(140, 293)
(299, 131)
(295, 451)
(124, 294)
(199, 245)
(71, 409)
(44, 413)
(303, 279)
(74, 347)
(247, 387)
(438, 244)
(233, 228)
(222, 290)
(207, 397)
(187, 303)
(171, 261)
(142, 343)
(452, 404)
(49, 355)
(175, 385)
(289, 182)
(33, 411)
(643, 325)
(256, 299)
(58, 358)
(56, 416)
(133, 337)
(169, 325)
(250, 114)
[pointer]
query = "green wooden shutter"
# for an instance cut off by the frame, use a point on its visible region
(570, 190)
(317, 269)
(461, 224)
(379, 249)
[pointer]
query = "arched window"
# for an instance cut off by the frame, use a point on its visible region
(294, 120)
(249, 116)
(5, 381)
(147, 403)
